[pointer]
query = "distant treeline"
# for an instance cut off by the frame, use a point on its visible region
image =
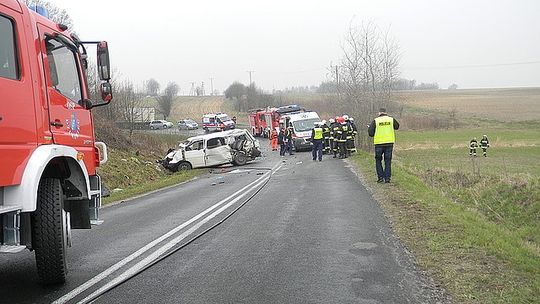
(400, 84)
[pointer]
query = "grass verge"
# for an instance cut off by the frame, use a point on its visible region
(476, 259)
(136, 190)
(127, 175)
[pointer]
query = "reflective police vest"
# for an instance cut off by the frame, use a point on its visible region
(384, 130)
(318, 133)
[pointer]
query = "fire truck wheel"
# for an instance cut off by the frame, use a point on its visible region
(50, 232)
(240, 159)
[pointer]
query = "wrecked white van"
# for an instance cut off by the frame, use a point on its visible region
(235, 147)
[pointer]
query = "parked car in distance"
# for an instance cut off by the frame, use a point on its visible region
(160, 124)
(187, 124)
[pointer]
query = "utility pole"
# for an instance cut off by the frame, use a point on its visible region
(192, 91)
(212, 86)
(250, 81)
(337, 82)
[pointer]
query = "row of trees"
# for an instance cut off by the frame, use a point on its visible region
(249, 97)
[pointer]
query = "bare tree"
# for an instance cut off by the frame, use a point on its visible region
(128, 103)
(56, 14)
(152, 87)
(165, 101)
(367, 72)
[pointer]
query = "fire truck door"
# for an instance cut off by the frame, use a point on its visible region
(70, 123)
(268, 119)
(17, 109)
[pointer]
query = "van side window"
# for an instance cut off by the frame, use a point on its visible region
(8, 58)
(215, 142)
(198, 145)
(63, 70)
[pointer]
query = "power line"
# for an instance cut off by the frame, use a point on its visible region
(472, 66)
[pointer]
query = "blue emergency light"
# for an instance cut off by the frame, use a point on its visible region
(41, 10)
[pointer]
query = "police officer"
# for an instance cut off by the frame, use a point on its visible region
(473, 144)
(317, 138)
(484, 144)
(326, 135)
(382, 129)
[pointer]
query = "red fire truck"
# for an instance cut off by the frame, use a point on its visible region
(262, 121)
(48, 153)
(258, 123)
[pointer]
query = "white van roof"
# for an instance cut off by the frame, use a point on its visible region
(214, 115)
(300, 116)
(219, 134)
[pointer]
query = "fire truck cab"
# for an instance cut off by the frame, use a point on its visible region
(48, 153)
(258, 123)
(262, 121)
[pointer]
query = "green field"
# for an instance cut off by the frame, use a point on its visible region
(472, 222)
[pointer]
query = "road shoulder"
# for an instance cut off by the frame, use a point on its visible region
(429, 290)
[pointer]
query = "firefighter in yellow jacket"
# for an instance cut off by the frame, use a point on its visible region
(382, 129)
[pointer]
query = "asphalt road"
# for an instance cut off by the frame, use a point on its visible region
(311, 233)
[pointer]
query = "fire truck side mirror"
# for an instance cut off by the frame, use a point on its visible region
(104, 66)
(106, 92)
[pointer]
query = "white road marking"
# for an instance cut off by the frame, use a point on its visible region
(75, 292)
(163, 249)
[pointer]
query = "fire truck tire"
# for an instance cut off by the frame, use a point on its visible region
(240, 159)
(49, 228)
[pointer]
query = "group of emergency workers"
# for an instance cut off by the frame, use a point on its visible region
(337, 137)
(334, 137)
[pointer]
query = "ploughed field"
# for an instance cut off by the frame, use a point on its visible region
(516, 104)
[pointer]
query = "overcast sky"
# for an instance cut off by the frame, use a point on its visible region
(475, 44)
